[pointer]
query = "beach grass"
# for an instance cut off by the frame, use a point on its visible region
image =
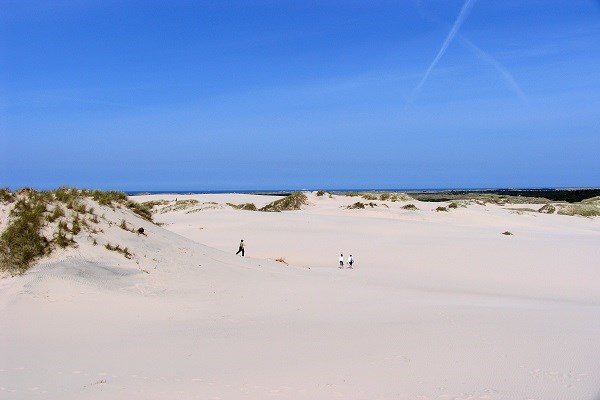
(293, 201)
(40, 221)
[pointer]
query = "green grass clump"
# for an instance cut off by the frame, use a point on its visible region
(118, 249)
(66, 195)
(140, 209)
(22, 243)
(320, 193)
(6, 196)
(56, 213)
(370, 196)
(75, 225)
(441, 209)
(293, 201)
(61, 239)
(106, 198)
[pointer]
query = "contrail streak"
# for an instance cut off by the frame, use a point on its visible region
(506, 75)
(510, 81)
(457, 23)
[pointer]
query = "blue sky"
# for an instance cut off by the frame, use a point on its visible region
(241, 95)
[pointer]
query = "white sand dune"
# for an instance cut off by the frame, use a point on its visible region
(439, 306)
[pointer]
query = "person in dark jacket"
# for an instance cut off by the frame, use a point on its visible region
(241, 249)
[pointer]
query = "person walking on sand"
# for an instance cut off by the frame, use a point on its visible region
(341, 261)
(350, 261)
(241, 249)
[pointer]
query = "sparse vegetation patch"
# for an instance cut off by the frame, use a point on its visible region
(6, 196)
(522, 210)
(410, 207)
(245, 206)
(293, 201)
(581, 209)
(357, 205)
(22, 242)
(40, 221)
(118, 249)
(547, 209)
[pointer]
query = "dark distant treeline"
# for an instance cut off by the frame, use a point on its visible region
(568, 195)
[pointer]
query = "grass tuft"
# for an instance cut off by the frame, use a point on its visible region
(356, 206)
(245, 206)
(6, 196)
(140, 209)
(118, 249)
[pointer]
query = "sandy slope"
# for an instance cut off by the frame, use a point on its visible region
(439, 306)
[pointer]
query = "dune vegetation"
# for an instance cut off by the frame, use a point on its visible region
(41, 221)
(293, 201)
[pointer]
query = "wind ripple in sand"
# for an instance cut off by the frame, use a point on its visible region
(83, 272)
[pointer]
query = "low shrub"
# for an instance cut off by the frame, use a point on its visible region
(357, 205)
(441, 209)
(410, 207)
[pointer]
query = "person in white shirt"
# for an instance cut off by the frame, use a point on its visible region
(350, 261)
(341, 261)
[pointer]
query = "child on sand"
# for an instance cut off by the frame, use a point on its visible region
(341, 261)
(350, 261)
